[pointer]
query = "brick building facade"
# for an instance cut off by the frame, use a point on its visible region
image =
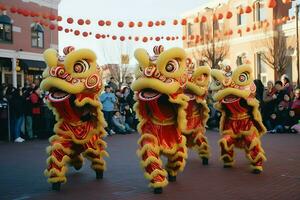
(250, 34)
(23, 40)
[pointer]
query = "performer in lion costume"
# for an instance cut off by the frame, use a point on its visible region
(241, 124)
(73, 83)
(197, 112)
(160, 108)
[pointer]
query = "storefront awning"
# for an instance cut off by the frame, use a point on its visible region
(32, 65)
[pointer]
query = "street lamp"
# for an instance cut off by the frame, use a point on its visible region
(213, 10)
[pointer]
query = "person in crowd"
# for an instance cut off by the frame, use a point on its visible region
(16, 104)
(3, 113)
(267, 106)
(130, 116)
(128, 95)
(290, 122)
(120, 125)
(278, 96)
(287, 86)
(120, 101)
(36, 103)
(277, 120)
(286, 103)
(112, 83)
(28, 112)
(108, 100)
(296, 103)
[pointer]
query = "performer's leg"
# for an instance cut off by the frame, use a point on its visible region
(177, 161)
(227, 153)
(202, 147)
(95, 151)
(149, 153)
(76, 158)
(254, 151)
(59, 155)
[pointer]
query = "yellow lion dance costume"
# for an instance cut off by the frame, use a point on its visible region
(73, 83)
(241, 124)
(160, 108)
(197, 112)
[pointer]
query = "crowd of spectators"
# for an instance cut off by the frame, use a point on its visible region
(118, 108)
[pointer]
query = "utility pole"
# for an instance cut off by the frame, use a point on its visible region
(297, 38)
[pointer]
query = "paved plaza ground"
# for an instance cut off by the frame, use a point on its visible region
(22, 165)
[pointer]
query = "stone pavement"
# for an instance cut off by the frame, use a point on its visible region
(22, 166)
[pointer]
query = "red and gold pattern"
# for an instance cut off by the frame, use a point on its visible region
(160, 108)
(241, 124)
(197, 110)
(73, 84)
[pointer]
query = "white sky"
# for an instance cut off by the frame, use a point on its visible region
(108, 51)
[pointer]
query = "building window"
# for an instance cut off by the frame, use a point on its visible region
(259, 13)
(5, 29)
(37, 36)
(241, 17)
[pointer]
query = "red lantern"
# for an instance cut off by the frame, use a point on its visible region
(71, 30)
(85, 34)
(150, 23)
(254, 27)
(163, 22)
(239, 31)
(173, 38)
(230, 32)
(107, 35)
(203, 19)
(192, 37)
(229, 15)
(183, 22)
(32, 14)
(2, 7)
(120, 24)
(87, 22)
(131, 24)
(271, 3)
(76, 32)
(67, 30)
(248, 9)
(45, 16)
(157, 39)
(151, 38)
(51, 26)
(70, 20)
(101, 23)
(175, 22)
(140, 24)
(220, 16)
(80, 21)
(26, 13)
(59, 18)
(183, 37)
(122, 38)
(98, 36)
(59, 28)
(177, 37)
(162, 37)
(248, 29)
(196, 20)
(20, 11)
(129, 37)
(13, 9)
(103, 36)
(145, 39)
(136, 38)
(114, 37)
(52, 17)
(157, 23)
(108, 23)
(168, 38)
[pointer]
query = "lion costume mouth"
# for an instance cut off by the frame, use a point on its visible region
(149, 94)
(231, 99)
(57, 95)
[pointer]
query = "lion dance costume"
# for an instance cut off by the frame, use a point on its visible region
(73, 83)
(241, 124)
(160, 108)
(197, 110)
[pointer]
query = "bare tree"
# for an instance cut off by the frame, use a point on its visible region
(213, 48)
(276, 54)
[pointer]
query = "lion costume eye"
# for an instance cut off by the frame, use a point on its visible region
(243, 77)
(172, 66)
(81, 66)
